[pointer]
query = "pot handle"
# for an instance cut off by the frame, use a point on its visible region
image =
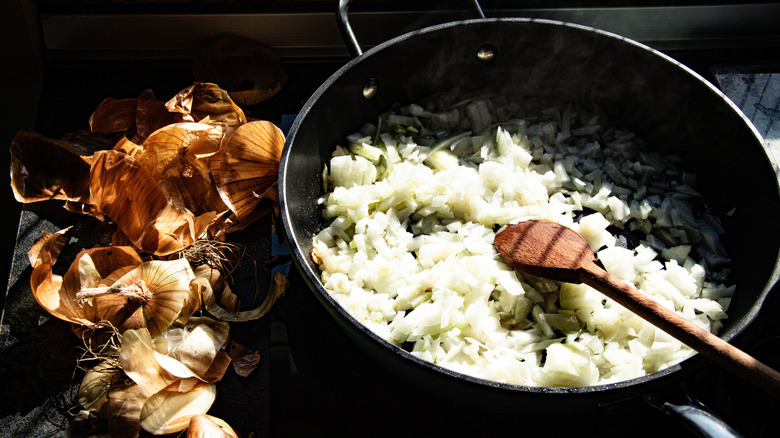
(698, 418)
(349, 36)
(346, 29)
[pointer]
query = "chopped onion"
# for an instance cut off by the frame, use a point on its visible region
(413, 210)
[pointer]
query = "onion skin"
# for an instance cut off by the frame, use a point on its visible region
(248, 69)
(207, 426)
(44, 169)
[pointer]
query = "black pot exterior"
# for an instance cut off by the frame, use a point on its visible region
(536, 62)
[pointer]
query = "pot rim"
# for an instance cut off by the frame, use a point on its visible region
(694, 362)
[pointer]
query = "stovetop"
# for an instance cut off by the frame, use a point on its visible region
(312, 380)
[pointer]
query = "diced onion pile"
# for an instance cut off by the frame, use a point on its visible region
(413, 204)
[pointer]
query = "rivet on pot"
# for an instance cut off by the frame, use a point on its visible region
(370, 88)
(486, 52)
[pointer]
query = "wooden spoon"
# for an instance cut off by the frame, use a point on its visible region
(550, 250)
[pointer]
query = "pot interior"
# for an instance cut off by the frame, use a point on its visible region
(535, 63)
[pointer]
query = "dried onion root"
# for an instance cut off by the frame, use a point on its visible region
(220, 255)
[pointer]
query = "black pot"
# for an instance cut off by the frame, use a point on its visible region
(640, 89)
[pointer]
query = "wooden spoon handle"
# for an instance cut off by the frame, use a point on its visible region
(706, 343)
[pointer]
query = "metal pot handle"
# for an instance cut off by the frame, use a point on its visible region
(346, 29)
(698, 418)
(349, 36)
